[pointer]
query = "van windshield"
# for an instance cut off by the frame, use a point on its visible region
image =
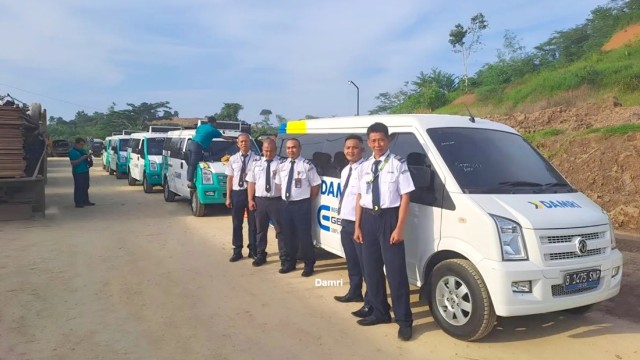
(154, 146)
(123, 144)
(487, 161)
(219, 148)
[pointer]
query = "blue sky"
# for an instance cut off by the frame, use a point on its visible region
(292, 57)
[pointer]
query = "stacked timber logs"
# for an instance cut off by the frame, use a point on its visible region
(20, 140)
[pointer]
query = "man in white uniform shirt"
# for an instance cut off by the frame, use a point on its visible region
(384, 187)
(299, 182)
(266, 200)
(353, 149)
(238, 198)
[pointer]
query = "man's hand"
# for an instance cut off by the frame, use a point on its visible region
(228, 203)
(357, 236)
(396, 237)
(252, 205)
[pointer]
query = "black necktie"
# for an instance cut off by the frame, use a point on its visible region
(344, 189)
(267, 185)
(287, 194)
(375, 187)
(243, 170)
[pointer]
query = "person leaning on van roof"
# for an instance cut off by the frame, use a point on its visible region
(205, 133)
(382, 204)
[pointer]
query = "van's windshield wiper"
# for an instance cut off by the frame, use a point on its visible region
(556, 184)
(513, 184)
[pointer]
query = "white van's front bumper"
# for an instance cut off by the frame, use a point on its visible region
(499, 275)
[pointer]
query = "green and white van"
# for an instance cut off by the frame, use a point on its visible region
(145, 157)
(105, 154)
(210, 179)
(118, 156)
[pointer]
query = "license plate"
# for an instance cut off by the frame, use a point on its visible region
(584, 279)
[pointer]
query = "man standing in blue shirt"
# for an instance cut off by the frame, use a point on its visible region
(80, 163)
(205, 133)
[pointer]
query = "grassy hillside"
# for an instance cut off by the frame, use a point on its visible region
(597, 78)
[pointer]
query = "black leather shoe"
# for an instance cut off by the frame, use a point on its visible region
(349, 298)
(90, 204)
(287, 269)
(308, 271)
(363, 312)
(235, 257)
(371, 320)
(405, 333)
(79, 206)
(259, 261)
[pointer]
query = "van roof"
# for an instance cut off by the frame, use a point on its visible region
(148, 135)
(190, 132)
(423, 121)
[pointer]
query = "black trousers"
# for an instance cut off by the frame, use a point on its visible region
(81, 188)
(378, 253)
(195, 156)
(296, 230)
(240, 203)
(269, 209)
(353, 256)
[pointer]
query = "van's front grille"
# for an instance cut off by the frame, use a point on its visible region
(563, 239)
(558, 290)
(574, 254)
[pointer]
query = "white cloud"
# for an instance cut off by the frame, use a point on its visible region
(293, 57)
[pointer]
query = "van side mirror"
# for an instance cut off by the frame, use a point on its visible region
(422, 176)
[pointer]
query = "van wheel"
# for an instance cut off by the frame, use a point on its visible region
(148, 188)
(197, 208)
(120, 175)
(111, 171)
(459, 300)
(169, 196)
(580, 310)
(131, 181)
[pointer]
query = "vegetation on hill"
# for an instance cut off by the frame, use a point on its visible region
(569, 60)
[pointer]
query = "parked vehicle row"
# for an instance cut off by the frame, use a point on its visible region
(493, 228)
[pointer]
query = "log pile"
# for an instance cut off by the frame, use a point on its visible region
(13, 121)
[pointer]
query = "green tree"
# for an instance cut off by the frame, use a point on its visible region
(466, 40)
(229, 112)
(390, 100)
(266, 116)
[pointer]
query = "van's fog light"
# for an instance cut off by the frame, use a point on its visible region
(615, 271)
(521, 286)
(210, 193)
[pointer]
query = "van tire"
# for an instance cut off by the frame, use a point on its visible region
(111, 171)
(120, 175)
(169, 196)
(197, 208)
(130, 180)
(457, 281)
(148, 188)
(580, 310)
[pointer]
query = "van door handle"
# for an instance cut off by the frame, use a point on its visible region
(181, 164)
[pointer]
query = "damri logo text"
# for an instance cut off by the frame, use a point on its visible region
(320, 282)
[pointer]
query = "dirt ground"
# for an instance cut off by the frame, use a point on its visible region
(137, 278)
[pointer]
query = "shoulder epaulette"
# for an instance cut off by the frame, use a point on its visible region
(308, 162)
(257, 158)
(399, 158)
(283, 160)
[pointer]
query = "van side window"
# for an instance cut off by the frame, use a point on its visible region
(134, 144)
(325, 151)
(429, 190)
(174, 148)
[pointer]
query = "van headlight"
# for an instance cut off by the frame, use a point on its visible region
(153, 166)
(612, 233)
(511, 239)
(207, 177)
(222, 178)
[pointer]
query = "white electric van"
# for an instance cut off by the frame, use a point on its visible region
(493, 229)
(209, 179)
(145, 157)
